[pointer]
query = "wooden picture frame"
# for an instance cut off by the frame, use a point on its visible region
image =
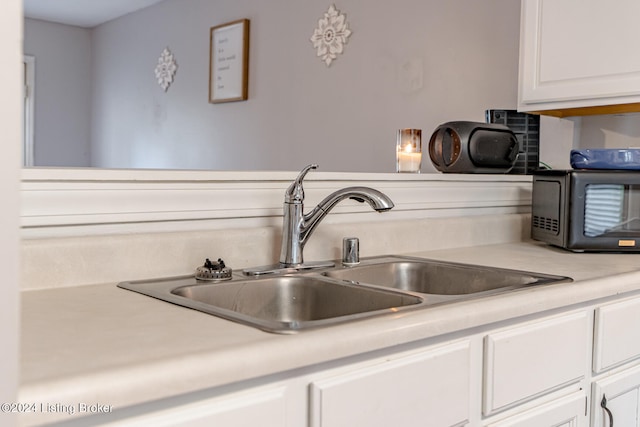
(229, 62)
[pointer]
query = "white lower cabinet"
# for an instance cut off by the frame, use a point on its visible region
(532, 373)
(265, 407)
(621, 393)
(616, 345)
(569, 411)
(535, 358)
(428, 388)
(616, 334)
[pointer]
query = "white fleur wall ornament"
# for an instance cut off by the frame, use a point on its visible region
(166, 69)
(331, 35)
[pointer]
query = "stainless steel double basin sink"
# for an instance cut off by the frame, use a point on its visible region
(377, 286)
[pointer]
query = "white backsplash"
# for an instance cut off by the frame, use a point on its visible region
(88, 226)
(74, 261)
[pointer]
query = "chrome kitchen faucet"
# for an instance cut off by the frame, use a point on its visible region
(297, 226)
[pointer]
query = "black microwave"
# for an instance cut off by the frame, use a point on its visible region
(587, 210)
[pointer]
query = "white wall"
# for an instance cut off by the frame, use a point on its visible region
(463, 53)
(63, 92)
(614, 131)
(559, 136)
(10, 119)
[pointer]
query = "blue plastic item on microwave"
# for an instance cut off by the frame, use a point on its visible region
(606, 158)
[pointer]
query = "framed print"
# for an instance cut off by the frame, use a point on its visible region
(229, 62)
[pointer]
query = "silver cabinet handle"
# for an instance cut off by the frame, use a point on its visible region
(603, 404)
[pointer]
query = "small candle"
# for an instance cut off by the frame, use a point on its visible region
(409, 150)
(409, 161)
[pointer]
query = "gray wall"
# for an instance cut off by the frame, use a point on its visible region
(413, 63)
(62, 131)
(299, 111)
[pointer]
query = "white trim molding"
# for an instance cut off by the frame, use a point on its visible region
(28, 117)
(73, 202)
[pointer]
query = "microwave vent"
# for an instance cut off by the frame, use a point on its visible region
(547, 224)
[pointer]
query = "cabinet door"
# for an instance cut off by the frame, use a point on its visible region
(429, 388)
(622, 393)
(577, 53)
(617, 334)
(261, 407)
(524, 362)
(569, 411)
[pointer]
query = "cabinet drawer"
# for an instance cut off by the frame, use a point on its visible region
(264, 407)
(428, 388)
(569, 411)
(524, 362)
(617, 334)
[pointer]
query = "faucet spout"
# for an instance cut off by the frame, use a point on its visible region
(378, 201)
(298, 227)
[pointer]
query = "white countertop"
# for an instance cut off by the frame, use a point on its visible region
(112, 346)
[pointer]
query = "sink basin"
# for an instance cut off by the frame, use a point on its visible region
(281, 303)
(293, 302)
(439, 277)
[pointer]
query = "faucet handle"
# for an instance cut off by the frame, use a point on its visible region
(295, 192)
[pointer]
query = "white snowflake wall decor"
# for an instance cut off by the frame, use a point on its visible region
(166, 69)
(331, 35)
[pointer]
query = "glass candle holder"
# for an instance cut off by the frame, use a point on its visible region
(409, 150)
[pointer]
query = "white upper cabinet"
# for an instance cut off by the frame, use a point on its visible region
(579, 54)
